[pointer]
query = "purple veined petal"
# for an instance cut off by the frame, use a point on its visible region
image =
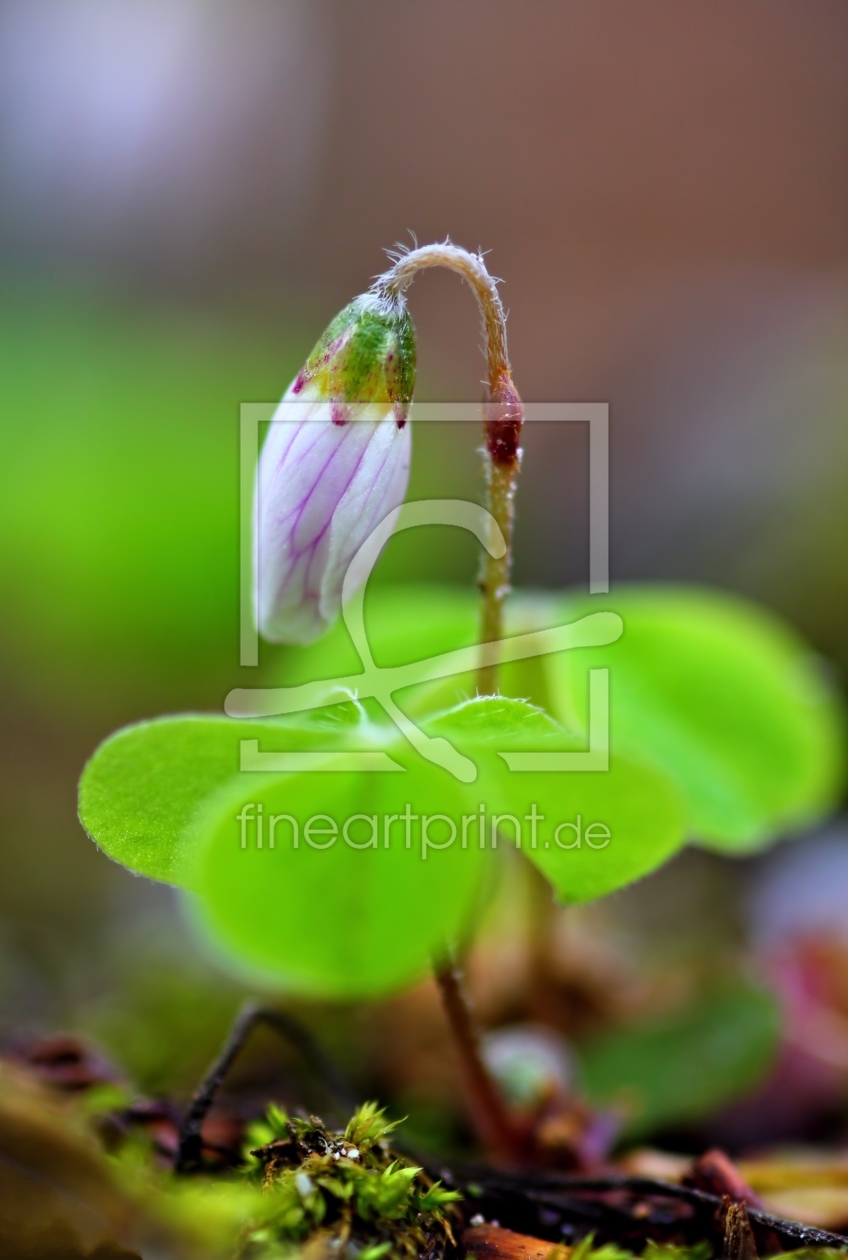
(379, 486)
(321, 488)
(335, 463)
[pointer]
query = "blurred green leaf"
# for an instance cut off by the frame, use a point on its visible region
(687, 1066)
(404, 623)
(413, 621)
(725, 698)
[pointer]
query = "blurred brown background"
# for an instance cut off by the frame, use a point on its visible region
(192, 188)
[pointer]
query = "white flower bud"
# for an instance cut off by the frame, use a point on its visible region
(331, 468)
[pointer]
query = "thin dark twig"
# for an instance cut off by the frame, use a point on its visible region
(190, 1142)
(618, 1208)
(803, 1235)
(301, 1038)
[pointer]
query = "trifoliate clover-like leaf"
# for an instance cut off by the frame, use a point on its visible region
(719, 726)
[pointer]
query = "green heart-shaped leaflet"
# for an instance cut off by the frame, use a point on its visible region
(589, 832)
(725, 698)
(369, 875)
(140, 790)
(161, 798)
(719, 693)
(349, 902)
(165, 798)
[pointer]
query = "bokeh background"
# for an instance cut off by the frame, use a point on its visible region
(191, 190)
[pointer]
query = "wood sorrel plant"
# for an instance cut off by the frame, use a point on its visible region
(346, 884)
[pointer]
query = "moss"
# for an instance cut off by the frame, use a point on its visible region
(342, 1191)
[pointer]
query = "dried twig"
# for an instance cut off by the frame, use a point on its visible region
(190, 1145)
(623, 1210)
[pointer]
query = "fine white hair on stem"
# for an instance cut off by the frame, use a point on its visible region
(472, 268)
(504, 414)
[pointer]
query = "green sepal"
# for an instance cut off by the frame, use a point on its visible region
(367, 354)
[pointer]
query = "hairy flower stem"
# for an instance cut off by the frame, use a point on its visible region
(504, 417)
(489, 1113)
